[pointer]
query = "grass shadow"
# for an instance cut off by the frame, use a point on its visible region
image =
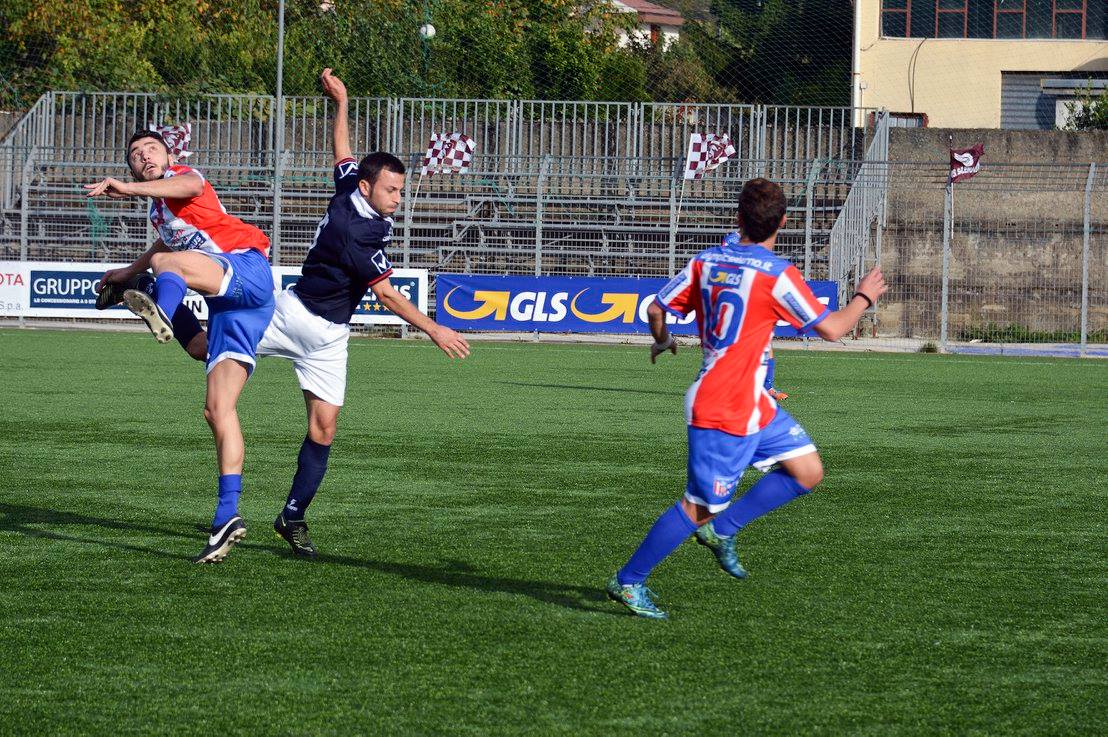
(25, 520)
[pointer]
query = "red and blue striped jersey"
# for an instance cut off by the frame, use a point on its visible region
(739, 292)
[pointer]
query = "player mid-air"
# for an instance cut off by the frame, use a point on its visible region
(200, 247)
(738, 291)
(310, 324)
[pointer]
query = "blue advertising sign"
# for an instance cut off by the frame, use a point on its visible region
(63, 290)
(412, 283)
(563, 304)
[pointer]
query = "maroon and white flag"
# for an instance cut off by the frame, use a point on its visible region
(966, 162)
(176, 137)
(448, 153)
(706, 152)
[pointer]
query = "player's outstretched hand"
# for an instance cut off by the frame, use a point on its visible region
(451, 342)
(111, 187)
(656, 349)
(333, 86)
(873, 284)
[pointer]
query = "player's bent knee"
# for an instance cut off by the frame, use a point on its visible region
(810, 476)
(322, 433)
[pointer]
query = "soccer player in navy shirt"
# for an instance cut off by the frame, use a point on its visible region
(310, 324)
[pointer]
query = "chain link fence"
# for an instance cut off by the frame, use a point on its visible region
(1012, 260)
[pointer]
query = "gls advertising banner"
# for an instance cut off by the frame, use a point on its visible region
(64, 289)
(567, 304)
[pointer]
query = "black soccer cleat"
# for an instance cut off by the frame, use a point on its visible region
(112, 293)
(295, 533)
(221, 540)
(143, 305)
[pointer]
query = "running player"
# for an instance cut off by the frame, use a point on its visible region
(738, 291)
(200, 247)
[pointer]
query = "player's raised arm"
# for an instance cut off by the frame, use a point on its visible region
(842, 321)
(340, 131)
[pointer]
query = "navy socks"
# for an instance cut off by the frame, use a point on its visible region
(311, 465)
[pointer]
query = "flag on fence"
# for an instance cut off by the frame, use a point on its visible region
(706, 152)
(176, 137)
(966, 162)
(448, 154)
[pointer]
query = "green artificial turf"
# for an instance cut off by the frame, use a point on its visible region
(948, 578)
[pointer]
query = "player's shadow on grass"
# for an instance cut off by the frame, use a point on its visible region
(585, 388)
(20, 519)
(33, 521)
(462, 575)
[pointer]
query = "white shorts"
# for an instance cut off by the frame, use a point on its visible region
(315, 345)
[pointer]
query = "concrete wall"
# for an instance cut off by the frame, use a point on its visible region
(1017, 244)
(1017, 147)
(956, 82)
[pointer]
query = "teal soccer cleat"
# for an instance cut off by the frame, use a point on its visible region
(635, 597)
(723, 548)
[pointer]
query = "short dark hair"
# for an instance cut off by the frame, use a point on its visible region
(371, 166)
(138, 136)
(761, 207)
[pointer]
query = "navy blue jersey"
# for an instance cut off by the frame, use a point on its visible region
(348, 253)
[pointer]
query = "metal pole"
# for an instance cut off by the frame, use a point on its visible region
(808, 217)
(278, 174)
(24, 214)
(944, 315)
(279, 139)
(543, 169)
(674, 207)
(1085, 260)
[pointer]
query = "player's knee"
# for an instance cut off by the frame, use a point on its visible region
(217, 414)
(810, 476)
(159, 262)
(322, 432)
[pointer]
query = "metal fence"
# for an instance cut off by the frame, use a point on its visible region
(1014, 260)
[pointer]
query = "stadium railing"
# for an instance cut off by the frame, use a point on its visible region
(1014, 262)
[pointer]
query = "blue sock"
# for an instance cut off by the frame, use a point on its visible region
(311, 464)
(169, 291)
(230, 487)
(772, 491)
(185, 325)
(671, 529)
(769, 374)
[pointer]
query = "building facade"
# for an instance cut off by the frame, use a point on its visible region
(978, 63)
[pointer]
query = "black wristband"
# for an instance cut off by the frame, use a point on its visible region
(869, 301)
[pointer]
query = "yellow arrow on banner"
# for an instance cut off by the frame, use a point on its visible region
(491, 302)
(621, 304)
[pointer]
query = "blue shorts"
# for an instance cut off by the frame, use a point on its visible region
(717, 460)
(240, 313)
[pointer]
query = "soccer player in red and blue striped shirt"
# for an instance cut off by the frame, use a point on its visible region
(738, 290)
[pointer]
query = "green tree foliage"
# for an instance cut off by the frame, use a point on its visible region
(1088, 112)
(788, 52)
(749, 51)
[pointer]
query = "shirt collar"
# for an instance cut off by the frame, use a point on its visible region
(361, 204)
